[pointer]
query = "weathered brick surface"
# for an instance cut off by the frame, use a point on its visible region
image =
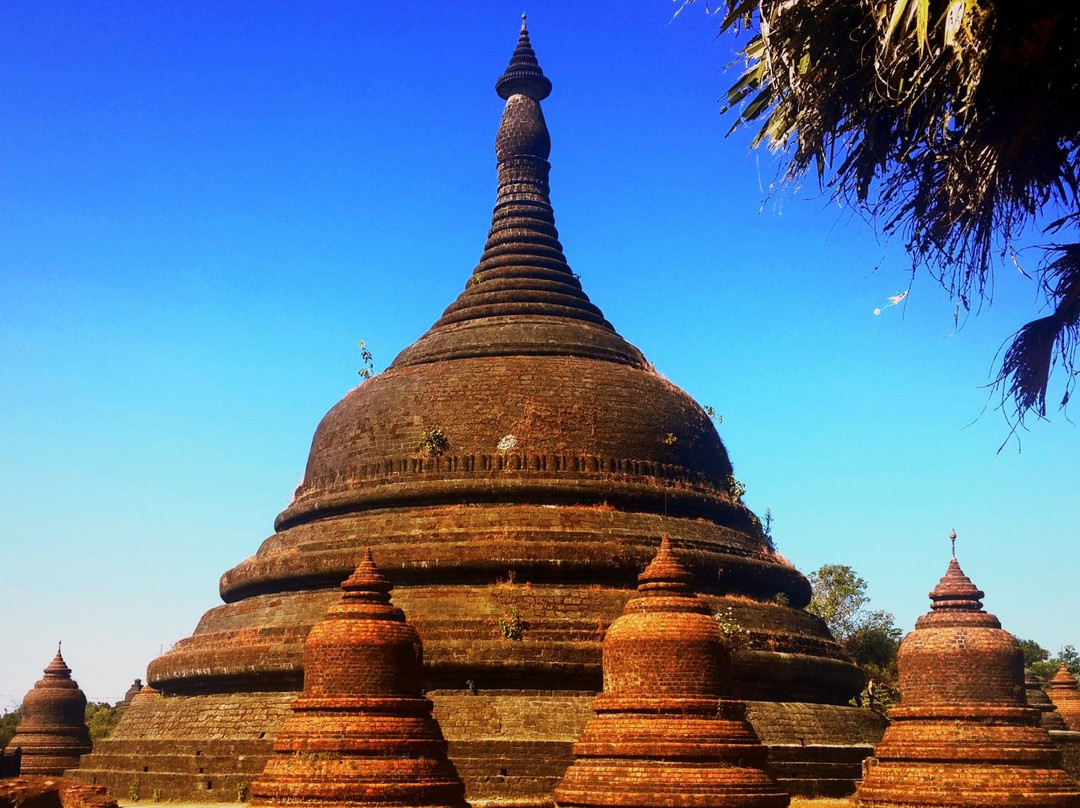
(515, 547)
(361, 732)
(132, 692)
(52, 732)
(661, 734)
(1066, 697)
(1049, 717)
(1069, 744)
(963, 734)
(39, 791)
(208, 747)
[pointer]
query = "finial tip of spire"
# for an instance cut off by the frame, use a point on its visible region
(952, 538)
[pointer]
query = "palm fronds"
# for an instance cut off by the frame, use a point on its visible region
(1041, 344)
(955, 123)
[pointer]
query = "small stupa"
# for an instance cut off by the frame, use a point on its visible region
(1049, 717)
(132, 692)
(361, 732)
(661, 735)
(1066, 697)
(963, 734)
(52, 733)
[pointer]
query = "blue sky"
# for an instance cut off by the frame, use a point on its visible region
(203, 206)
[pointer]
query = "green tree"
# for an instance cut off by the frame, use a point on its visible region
(1033, 652)
(839, 597)
(953, 123)
(101, 719)
(8, 722)
(1045, 666)
(869, 637)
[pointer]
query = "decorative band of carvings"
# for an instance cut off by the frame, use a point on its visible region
(666, 474)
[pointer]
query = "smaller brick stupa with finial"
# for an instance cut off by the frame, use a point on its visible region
(52, 733)
(1049, 717)
(361, 732)
(1063, 691)
(963, 734)
(661, 735)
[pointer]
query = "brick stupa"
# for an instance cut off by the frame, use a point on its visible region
(361, 733)
(52, 732)
(661, 735)
(1049, 717)
(963, 734)
(514, 470)
(1063, 691)
(132, 692)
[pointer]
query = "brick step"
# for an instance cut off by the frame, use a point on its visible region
(819, 753)
(838, 788)
(173, 763)
(153, 786)
(828, 771)
(193, 748)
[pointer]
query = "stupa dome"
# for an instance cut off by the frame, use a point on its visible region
(361, 732)
(963, 734)
(661, 734)
(1049, 717)
(513, 470)
(52, 732)
(1065, 694)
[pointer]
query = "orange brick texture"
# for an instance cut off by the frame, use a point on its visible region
(514, 547)
(963, 734)
(661, 734)
(1064, 693)
(52, 732)
(38, 791)
(1049, 716)
(361, 733)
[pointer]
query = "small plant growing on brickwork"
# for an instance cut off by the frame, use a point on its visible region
(368, 369)
(782, 599)
(736, 638)
(433, 442)
(714, 416)
(472, 281)
(133, 789)
(241, 792)
(670, 439)
(766, 531)
(736, 488)
(511, 624)
(470, 685)
(156, 796)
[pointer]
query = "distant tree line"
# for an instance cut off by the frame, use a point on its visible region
(1044, 665)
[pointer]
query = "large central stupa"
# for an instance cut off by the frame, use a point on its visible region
(513, 470)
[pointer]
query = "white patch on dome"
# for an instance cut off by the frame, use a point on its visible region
(507, 443)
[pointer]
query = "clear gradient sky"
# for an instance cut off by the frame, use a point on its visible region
(204, 205)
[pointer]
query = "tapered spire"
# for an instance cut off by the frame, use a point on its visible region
(523, 75)
(522, 298)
